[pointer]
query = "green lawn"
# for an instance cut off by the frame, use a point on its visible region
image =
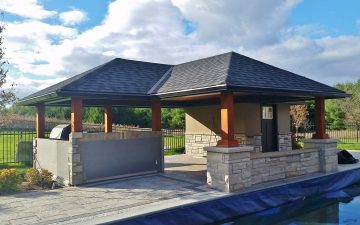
(342, 146)
(348, 146)
(174, 145)
(8, 142)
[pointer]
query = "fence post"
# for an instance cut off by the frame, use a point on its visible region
(357, 133)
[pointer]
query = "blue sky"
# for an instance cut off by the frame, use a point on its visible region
(335, 16)
(48, 41)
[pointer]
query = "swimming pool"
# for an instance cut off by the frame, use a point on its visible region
(320, 198)
(339, 207)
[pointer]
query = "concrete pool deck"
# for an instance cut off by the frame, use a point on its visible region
(183, 183)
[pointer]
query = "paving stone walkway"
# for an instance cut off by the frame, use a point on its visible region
(110, 200)
(184, 182)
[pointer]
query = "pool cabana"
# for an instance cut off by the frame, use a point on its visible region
(243, 102)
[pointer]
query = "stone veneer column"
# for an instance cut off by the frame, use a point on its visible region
(285, 143)
(327, 153)
(76, 172)
(229, 169)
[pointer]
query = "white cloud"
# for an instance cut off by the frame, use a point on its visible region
(73, 17)
(154, 30)
(26, 8)
(244, 23)
(25, 86)
(33, 46)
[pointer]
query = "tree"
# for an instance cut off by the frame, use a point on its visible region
(298, 114)
(350, 106)
(334, 114)
(6, 95)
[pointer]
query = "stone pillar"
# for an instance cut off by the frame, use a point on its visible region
(320, 124)
(284, 142)
(40, 121)
(227, 121)
(76, 114)
(156, 115)
(229, 169)
(108, 118)
(327, 153)
(76, 173)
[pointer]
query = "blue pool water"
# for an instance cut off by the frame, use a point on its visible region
(339, 207)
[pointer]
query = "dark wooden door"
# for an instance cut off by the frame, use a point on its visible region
(269, 128)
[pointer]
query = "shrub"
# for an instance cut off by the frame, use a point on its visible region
(10, 181)
(46, 177)
(33, 176)
(42, 177)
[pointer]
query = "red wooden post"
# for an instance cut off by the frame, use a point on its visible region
(40, 121)
(76, 114)
(320, 124)
(108, 118)
(156, 115)
(227, 121)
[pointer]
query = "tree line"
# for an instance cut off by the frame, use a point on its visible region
(141, 117)
(339, 112)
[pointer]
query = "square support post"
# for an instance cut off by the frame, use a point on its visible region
(108, 118)
(227, 121)
(320, 124)
(76, 114)
(156, 115)
(40, 121)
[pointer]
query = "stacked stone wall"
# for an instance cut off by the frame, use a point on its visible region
(195, 143)
(285, 143)
(274, 166)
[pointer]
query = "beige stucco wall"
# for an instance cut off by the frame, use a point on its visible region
(206, 119)
(202, 125)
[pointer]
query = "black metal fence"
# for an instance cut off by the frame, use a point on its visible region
(349, 133)
(16, 144)
(174, 140)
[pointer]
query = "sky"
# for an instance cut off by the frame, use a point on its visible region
(48, 41)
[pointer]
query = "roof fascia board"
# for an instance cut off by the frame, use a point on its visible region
(265, 91)
(38, 99)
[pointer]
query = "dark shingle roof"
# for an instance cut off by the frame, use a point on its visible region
(116, 77)
(121, 77)
(236, 71)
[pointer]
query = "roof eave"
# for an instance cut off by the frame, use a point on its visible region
(255, 90)
(38, 99)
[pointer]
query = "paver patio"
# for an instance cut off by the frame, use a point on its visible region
(112, 199)
(182, 183)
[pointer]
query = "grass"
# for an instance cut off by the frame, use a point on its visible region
(174, 145)
(343, 146)
(8, 142)
(174, 152)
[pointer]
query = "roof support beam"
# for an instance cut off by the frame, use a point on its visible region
(156, 115)
(40, 121)
(320, 124)
(227, 121)
(76, 114)
(108, 118)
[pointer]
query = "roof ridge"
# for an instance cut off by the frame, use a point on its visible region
(136, 60)
(84, 74)
(229, 68)
(160, 80)
(196, 60)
